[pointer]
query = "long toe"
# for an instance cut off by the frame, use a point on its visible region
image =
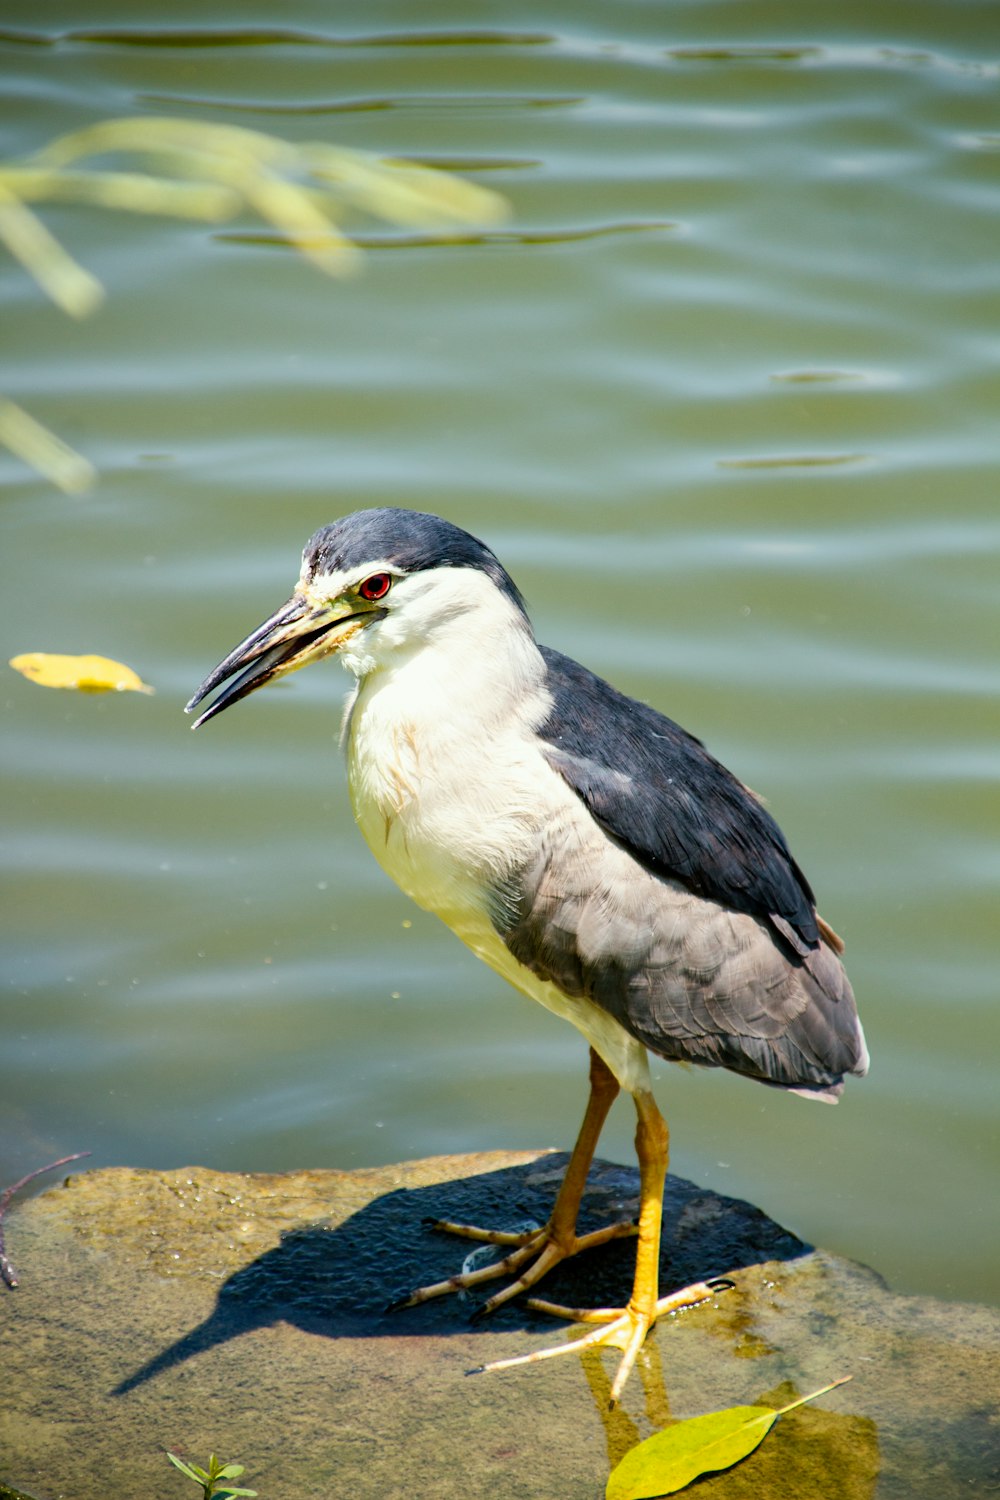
(626, 1330)
(619, 1328)
(463, 1280)
(538, 1243)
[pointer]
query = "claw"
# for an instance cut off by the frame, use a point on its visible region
(621, 1328)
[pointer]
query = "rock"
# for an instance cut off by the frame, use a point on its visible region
(245, 1315)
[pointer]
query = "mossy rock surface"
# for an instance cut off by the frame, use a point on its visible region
(245, 1315)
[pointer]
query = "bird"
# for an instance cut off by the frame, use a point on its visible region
(585, 846)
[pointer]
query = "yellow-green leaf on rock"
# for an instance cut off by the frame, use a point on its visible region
(671, 1459)
(89, 674)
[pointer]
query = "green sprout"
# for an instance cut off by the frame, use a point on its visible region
(208, 1480)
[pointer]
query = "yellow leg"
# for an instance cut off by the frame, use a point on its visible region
(558, 1240)
(626, 1329)
(540, 1249)
(603, 1093)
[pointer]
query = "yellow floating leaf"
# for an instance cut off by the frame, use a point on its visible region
(89, 674)
(671, 1459)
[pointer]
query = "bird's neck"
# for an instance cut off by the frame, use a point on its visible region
(439, 774)
(472, 676)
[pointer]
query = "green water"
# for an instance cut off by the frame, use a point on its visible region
(722, 394)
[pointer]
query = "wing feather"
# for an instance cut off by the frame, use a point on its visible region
(691, 925)
(678, 811)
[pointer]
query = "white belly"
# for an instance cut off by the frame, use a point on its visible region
(412, 800)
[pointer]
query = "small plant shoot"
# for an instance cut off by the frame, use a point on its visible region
(210, 1477)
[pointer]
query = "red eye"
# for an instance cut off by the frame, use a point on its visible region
(375, 587)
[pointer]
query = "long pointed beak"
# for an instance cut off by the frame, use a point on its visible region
(300, 632)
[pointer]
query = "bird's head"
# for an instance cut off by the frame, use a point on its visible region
(373, 585)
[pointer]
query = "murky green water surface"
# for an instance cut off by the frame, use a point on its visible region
(722, 394)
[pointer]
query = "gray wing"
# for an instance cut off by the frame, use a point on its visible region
(691, 923)
(677, 809)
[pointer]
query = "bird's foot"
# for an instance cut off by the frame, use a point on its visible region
(541, 1247)
(620, 1328)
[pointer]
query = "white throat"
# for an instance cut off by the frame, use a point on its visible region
(438, 739)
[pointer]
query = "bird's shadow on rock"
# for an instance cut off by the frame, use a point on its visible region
(341, 1281)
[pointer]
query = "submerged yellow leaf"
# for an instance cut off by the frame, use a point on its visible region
(89, 674)
(671, 1459)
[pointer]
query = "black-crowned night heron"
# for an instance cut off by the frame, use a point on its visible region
(586, 847)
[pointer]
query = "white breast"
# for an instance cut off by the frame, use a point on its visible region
(447, 780)
(452, 794)
(448, 806)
